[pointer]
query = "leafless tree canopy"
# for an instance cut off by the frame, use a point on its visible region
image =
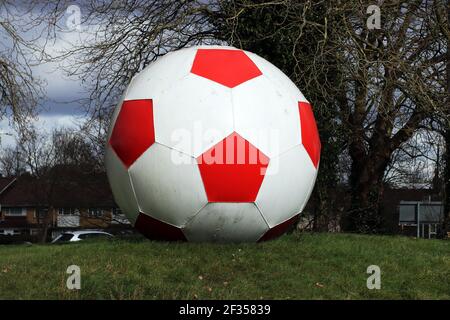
(25, 28)
(380, 86)
(120, 38)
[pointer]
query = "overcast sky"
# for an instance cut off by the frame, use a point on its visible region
(59, 107)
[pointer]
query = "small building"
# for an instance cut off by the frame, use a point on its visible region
(397, 205)
(425, 216)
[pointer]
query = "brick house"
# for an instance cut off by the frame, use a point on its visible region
(70, 200)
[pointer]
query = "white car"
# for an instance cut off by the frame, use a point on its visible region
(74, 236)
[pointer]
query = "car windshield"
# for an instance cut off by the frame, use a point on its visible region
(65, 237)
(93, 236)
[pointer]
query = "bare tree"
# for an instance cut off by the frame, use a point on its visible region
(56, 162)
(11, 162)
(293, 36)
(380, 86)
(25, 29)
(443, 17)
(394, 84)
(120, 38)
(70, 147)
(416, 163)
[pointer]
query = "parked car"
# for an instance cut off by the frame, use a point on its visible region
(74, 236)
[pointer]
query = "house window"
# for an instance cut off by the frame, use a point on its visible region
(42, 213)
(68, 211)
(95, 212)
(64, 211)
(15, 212)
(10, 232)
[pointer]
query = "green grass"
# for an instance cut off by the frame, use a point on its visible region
(297, 266)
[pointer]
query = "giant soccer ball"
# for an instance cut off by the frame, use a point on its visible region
(212, 143)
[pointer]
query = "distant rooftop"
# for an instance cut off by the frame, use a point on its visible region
(65, 187)
(5, 182)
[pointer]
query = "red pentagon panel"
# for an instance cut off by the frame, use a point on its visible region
(232, 170)
(310, 134)
(155, 229)
(133, 132)
(227, 67)
(278, 230)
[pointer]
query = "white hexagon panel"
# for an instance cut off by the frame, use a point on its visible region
(215, 144)
(210, 224)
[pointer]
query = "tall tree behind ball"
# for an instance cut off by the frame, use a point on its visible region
(372, 89)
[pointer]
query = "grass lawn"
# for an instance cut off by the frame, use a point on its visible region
(296, 266)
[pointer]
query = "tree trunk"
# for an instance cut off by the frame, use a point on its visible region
(446, 227)
(446, 224)
(366, 193)
(367, 187)
(323, 209)
(47, 220)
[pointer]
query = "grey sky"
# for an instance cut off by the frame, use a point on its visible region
(59, 106)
